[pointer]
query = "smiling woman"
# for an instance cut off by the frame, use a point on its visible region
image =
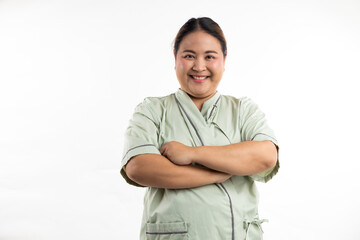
(199, 152)
(199, 65)
(200, 58)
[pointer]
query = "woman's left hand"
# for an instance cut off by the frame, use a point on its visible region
(177, 153)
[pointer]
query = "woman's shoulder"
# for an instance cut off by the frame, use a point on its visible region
(237, 101)
(156, 101)
(154, 105)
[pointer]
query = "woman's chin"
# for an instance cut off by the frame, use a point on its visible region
(201, 94)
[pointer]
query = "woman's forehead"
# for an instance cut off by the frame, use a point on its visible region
(200, 41)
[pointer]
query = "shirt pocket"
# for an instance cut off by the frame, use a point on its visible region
(167, 231)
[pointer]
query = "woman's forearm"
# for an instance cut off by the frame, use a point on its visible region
(244, 158)
(157, 171)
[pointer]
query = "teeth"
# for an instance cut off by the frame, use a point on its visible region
(199, 78)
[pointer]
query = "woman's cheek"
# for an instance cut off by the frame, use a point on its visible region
(217, 66)
(181, 65)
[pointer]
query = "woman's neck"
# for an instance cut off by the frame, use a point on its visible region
(199, 102)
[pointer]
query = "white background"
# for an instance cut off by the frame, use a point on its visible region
(72, 72)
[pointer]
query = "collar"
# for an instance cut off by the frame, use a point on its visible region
(208, 110)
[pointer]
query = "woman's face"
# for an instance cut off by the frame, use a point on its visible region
(199, 64)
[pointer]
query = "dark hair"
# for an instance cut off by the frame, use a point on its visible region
(196, 24)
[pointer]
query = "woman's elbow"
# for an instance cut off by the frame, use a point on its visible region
(270, 162)
(132, 169)
(271, 155)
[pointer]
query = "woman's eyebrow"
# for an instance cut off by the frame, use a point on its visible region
(211, 51)
(190, 51)
(207, 52)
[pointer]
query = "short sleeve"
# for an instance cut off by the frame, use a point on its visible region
(254, 127)
(141, 136)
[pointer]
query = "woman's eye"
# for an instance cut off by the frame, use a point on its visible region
(188, 56)
(210, 57)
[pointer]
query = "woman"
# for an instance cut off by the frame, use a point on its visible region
(197, 151)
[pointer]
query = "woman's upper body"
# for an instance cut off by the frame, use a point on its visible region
(199, 152)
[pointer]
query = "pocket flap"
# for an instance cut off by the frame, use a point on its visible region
(169, 228)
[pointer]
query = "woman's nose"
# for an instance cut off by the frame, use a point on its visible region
(199, 65)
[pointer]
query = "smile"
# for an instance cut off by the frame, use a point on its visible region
(198, 79)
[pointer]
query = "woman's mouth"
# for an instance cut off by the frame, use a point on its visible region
(198, 78)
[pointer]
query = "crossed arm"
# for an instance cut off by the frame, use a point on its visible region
(173, 168)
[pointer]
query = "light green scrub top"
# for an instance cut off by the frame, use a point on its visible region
(216, 211)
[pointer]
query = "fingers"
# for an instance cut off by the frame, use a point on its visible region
(163, 149)
(169, 147)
